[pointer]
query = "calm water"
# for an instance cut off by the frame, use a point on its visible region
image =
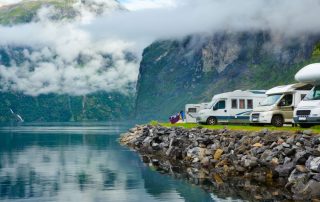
(81, 162)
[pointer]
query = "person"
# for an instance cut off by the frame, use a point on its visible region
(182, 115)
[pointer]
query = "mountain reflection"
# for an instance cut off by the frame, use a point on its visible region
(46, 166)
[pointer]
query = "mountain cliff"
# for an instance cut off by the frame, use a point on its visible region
(176, 72)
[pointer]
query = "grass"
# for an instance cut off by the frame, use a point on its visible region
(315, 129)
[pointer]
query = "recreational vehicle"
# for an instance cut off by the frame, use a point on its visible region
(231, 107)
(307, 112)
(192, 111)
(277, 108)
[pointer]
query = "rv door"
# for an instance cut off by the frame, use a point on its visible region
(286, 107)
(220, 110)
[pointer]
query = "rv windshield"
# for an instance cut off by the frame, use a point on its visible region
(209, 106)
(314, 94)
(271, 99)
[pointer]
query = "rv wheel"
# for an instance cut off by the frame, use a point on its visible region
(277, 121)
(211, 121)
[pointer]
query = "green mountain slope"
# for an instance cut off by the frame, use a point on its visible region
(192, 70)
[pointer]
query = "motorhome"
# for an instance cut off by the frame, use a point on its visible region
(192, 111)
(307, 112)
(277, 109)
(231, 107)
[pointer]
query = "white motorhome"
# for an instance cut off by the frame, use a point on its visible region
(277, 108)
(307, 112)
(231, 107)
(192, 110)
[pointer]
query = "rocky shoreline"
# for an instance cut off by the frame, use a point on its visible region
(263, 165)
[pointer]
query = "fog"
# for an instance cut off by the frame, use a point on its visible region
(103, 43)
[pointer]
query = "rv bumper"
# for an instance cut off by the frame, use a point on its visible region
(303, 119)
(261, 117)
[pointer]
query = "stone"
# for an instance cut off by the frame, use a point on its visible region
(218, 154)
(301, 168)
(301, 157)
(286, 145)
(290, 140)
(274, 144)
(316, 177)
(289, 152)
(205, 161)
(257, 145)
(297, 177)
(312, 188)
(256, 139)
(307, 132)
(195, 160)
(285, 169)
(313, 163)
(280, 141)
(275, 161)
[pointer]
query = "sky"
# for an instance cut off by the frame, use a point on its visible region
(129, 4)
(103, 43)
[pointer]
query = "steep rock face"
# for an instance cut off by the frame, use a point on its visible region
(98, 106)
(192, 70)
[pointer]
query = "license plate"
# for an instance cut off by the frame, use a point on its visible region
(254, 119)
(302, 118)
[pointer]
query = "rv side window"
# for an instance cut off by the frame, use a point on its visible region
(286, 100)
(221, 104)
(192, 110)
(250, 104)
(242, 104)
(234, 104)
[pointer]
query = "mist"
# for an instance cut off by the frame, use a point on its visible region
(103, 44)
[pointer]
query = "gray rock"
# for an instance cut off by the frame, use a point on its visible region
(285, 169)
(301, 157)
(312, 188)
(195, 160)
(290, 140)
(307, 132)
(286, 145)
(313, 163)
(316, 177)
(296, 176)
(256, 140)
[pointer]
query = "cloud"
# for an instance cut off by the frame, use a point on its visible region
(135, 5)
(5, 2)
(91, 53)
(60, 57)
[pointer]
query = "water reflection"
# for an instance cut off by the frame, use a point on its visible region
(81, 163)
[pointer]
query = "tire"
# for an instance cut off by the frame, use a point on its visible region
(305, 125)
(277, 121)
(212, 121)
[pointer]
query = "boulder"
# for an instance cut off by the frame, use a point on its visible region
(285, 169)
(218, 154)
(313, 164)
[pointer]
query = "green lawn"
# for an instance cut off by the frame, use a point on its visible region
(315, 130)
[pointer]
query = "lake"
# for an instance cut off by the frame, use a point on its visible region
(82, 162)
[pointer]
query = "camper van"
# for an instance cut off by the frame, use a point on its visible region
(277, 108)
(307, 112)
(231, 107)
(192, 111)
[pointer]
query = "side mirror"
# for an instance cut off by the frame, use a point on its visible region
(214, 108)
